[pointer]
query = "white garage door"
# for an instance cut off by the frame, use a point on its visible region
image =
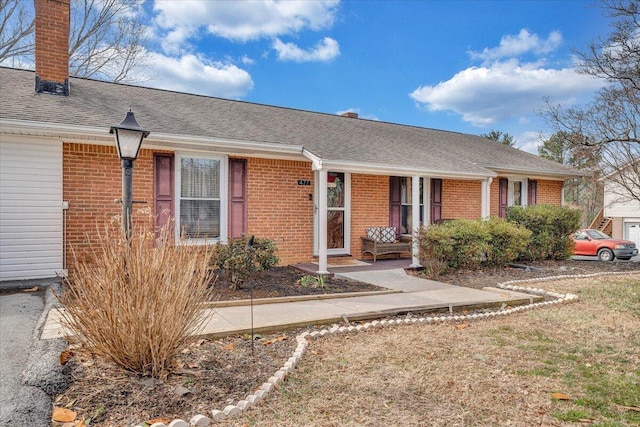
(30, 208)
(632, 232)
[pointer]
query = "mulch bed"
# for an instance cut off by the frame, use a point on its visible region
(492, 276)
(211, 374)
(284, 282)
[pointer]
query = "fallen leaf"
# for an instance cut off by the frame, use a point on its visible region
(462, 326)
(65, 355)
(275, 340)
(63, 415)
(163, 420)
(229, 346)
(34, 289)
(81, 423)
(631, 408)
(560, 396)
(585, 420)
(194, 365)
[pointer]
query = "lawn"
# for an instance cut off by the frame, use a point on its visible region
(495, 372)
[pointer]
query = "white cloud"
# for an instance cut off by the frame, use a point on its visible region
(515, 45)
(241, 20)
(529, 141)
(503, 90)
(325, 50)
(246, 60)
(193, 74)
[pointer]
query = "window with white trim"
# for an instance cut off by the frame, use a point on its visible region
(201, 199)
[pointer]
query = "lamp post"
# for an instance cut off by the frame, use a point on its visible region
(129, 136)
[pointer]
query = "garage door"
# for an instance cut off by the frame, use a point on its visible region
(632, 232)
(30, 208)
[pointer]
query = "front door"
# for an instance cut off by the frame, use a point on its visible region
(338, 213)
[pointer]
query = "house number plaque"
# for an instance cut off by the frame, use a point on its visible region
(304, 182)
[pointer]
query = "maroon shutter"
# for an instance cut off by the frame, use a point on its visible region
(436, 200)
(532, 193)
(237, 197)
(395, 203)
(503, 189)
(163, 179)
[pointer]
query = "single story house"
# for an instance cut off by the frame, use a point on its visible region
(310, 181)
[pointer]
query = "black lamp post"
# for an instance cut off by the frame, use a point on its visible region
(129, 136)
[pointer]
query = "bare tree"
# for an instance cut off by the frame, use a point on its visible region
(609, 123)
(106, 42)
(586, 192)
(16, 29)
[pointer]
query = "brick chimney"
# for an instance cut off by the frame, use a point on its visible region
(52, 46)
(350, 114)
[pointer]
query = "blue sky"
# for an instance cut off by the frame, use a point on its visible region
(468, 66)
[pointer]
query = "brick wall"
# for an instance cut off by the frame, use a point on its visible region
(549, 192)
(369, 206)
(92, 180)
(461, 199)
(279, 209)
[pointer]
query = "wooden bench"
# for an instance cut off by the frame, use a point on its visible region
(380, 242)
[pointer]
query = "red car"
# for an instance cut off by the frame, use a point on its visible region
(592, 242)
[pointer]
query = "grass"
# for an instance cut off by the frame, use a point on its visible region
(495, 372)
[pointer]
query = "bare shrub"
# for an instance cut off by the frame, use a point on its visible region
(137, 305)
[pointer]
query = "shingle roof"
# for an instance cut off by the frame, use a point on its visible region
(331, 138)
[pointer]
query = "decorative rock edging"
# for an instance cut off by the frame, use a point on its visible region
(302, 339)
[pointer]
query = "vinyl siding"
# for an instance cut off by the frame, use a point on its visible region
(30, 208)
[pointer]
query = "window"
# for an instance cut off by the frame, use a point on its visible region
(201, 201)
(515, 193)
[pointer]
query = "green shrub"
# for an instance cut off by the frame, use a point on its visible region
(466, 244)
(507, 241)
(551, 227)
(239, 261)
(136, 305)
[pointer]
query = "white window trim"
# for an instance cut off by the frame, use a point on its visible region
(224, 185)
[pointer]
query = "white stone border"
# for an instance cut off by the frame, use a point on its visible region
(303, 343)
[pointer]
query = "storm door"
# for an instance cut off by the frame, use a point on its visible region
(338, 213)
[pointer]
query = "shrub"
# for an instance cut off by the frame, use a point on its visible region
(551, 227)
(466, 244)
(507, 241)
(139, 305)
(239, 261)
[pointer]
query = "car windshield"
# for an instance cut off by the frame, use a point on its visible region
(596, 234)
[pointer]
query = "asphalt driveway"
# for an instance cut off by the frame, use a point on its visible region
(29, 367)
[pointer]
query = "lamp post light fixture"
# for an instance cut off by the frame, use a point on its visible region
(129, 136)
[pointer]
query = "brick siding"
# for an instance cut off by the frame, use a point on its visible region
(92, 180)
(461, 199)
(279, 209)
(369, 206)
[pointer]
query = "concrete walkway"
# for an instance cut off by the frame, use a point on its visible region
(414, 295)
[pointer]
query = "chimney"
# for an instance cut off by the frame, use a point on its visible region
(350, 114)
(52, 46)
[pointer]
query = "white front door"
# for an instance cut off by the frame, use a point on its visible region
(338, 213)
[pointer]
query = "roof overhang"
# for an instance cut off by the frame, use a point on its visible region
(391, 170)
(101, 136)
(537, 174)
